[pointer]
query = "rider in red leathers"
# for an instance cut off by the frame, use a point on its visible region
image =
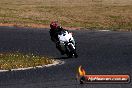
(54, 31)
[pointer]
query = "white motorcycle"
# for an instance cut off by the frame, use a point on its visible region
(67, 44)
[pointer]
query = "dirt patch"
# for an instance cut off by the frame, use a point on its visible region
(24, 25)
(35, 26)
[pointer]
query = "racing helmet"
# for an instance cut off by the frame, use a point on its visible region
(54, 25)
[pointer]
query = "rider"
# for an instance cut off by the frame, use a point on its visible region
(54, 31)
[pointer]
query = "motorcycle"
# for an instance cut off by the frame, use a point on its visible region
(67, 44)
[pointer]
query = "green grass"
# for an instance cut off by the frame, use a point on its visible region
(106, 14)
(18, 60)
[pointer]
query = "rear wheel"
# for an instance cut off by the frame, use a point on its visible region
(69, 54)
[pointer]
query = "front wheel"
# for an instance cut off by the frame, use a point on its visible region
(75, 55)
(71, 54)
(71, 51)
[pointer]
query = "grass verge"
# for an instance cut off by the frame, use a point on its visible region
(99, 14)
(10, 61)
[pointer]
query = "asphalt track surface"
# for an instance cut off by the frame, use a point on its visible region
(99, 53)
